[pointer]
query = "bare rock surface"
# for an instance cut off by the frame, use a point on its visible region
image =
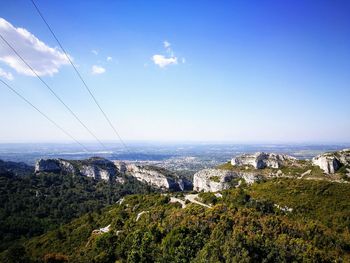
(262, 160)
(214, 180)
(331, 162)
(97, 168)
(157, 177)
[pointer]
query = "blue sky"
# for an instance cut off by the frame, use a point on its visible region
(239, 71)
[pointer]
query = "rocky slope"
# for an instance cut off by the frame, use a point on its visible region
(247, 167)
(331, 162)
(254, 167)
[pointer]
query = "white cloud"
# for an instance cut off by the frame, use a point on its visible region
(183, 60)
(6, 75)
(166, 44)
(163, 61)
(109, 58)
(43, 59)
(95, 52)
(97, 70)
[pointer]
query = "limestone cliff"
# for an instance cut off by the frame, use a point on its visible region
(103, 169)
(157, 177)
(261, 160)
(97, 168)
(213, 180)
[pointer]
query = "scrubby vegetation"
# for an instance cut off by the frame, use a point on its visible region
(215, 179)
(31, 205)
(244, 225)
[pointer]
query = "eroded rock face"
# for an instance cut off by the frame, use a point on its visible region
(156, 178)
(97, 168)
(261, 160)
(214, 180)
(103, 169)
(331, 162)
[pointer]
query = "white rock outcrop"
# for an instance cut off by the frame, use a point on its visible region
(102, 230)
(97, 168)
(212, 180)
(156, 178)
(103, 169)
(331, 162)
(261, 160)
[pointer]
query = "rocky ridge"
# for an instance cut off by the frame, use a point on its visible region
(247, 167)
(97, 168)
(260, 165)
(103, 169)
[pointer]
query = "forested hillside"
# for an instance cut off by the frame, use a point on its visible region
(282, 220)
(32, 204)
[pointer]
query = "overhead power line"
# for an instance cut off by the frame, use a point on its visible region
(80, 77)
(43, 114)
(52, 91)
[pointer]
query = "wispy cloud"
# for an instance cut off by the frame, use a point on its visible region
(95, 52)
(109, 58)
(95, 70)
(163, 61)
(166, 44)
(43, 59)
(6, 75)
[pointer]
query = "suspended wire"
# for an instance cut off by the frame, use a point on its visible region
(43, 114)
(52, 91)
(80, 77)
